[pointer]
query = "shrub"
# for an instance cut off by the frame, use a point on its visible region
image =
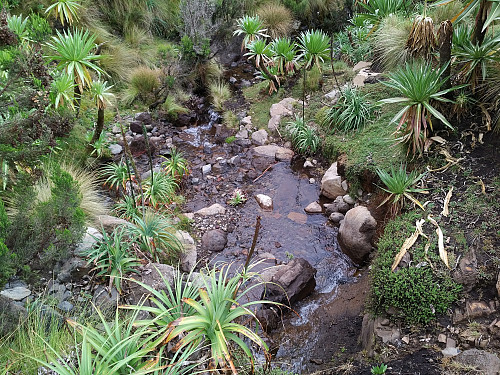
(353, 44)
(6, 257)
(304, 137)
(313, 80)
(47, 218)
(416, 293)
(351, 112)
(276, 18)
(390, 41)
(111, 257)
(220, 93)
(176, 165)
(230, 119)
(144, 82)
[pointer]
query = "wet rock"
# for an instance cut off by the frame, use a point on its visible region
(347, 199)
(109, 223)
(297, 217)
(65, 306)
(336, 217)
(259, 137)
(189, 255)
(90, 237)
(476, 309)
(136, 127)
(313, 208)
(206, 169)
(295, 280)
(214, 240)
(273, 152)
(106, 299)
(138, 145)
(356, 233)
(115, 149)
(331, 183)
(265, 202)
(73, 269)
(144, 117)
(214, 209)
(17, 293)
(487, 363)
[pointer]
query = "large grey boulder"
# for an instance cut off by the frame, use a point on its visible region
(356, 233)
(292, 282)
(486, 363)
(17, 293)
(109, 223)
(331, 183)
(188, 255)
(154, 275)
(214, 240)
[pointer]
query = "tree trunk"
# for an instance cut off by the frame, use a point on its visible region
(99, 125)
(445, 36)
(77, 100)
(482, 14)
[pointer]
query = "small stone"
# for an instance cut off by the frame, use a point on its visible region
(259, 137)
(115, 149)
(476, 309)
(312, 181)
(442, 338)
(246, 121)
(214, 209)
(333, 95)
(206, 169)
(347, 198)
(17, 293)
(406, 339)
(116, 129)
(345, 186)
(242, 134)
(265, 202)
(336, 217)
(313, 208)
(450, 352)
(308, 164)
(195, 181)
(235, 160)
(65, 306)
(214, 240)
(232, 80)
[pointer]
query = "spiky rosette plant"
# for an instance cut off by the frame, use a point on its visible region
(314, 48)
(251, 27)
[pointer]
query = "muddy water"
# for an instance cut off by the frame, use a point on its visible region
(286, 232)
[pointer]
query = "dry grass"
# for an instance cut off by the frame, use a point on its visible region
(390, 41)
(276, 18)
(220, 93)
(143, 81)
(445, 12)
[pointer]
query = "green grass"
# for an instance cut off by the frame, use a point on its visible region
(372, 147)
(260, 103)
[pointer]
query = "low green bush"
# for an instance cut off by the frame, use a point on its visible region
(418, 292)
(6, 257)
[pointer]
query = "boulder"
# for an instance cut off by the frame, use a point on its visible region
(214, 240)
(361, 65)
(90, 237)
(136, 127)
(284, 154)
(279, 109)
(106, 299)
(331, 183)
(214, 209)
(189, 255)
(356, 233)
(109, 223)
(154, 275)
(144, 117)
(486, 363)
(313, 208)
(274, 122)
(73, 269)
(259, 137)
(292, 282)
(10, 313)
(17, 293)
(265, 202)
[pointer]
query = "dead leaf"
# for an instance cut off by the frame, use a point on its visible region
(409, 242)
(438, 139)
(445, 211)
(443, 254)
(480, 138)
(483, 188)
(487, 117)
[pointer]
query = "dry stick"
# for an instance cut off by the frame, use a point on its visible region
(254, 243)
(265, 170)
(331, 63)
(132, 162)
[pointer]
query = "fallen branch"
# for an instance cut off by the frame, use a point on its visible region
(265, 170)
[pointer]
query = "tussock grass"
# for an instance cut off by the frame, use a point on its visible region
(390, 41)
(276, 18)
(220, 93)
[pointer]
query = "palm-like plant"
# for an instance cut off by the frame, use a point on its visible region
(18, 24)
(117, 175)
(128, 208)
(159, 188)
(270, 74)
(304, 137)
(474, 58)
(420, 85)
(176, 165)
(155, 235)
(73, 51)
(251, 26)
(260, 51)
(111, 257)
(102, 95)
(214, 319)
(65, 10)
(351, 112)
(284, 53)
(374, 11)
(400, 186)
(314, 47)
(62, 90)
